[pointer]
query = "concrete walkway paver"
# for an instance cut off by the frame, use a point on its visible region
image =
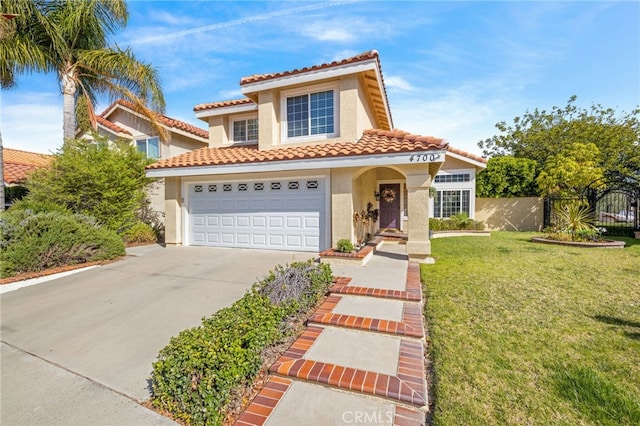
(361, 358)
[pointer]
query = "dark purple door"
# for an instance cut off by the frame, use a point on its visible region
(390, 205)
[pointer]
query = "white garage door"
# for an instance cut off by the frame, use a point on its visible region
(286, 214)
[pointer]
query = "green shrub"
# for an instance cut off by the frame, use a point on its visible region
(461, 222)
(196, 373)
(345, 246)
(32, 242)
(139, 233)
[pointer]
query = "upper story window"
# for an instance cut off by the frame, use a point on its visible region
(452, 178)
(310, 113)
(149, 146)
(245, 130)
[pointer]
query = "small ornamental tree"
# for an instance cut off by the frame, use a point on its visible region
(98, 178)
(508, 176)
(571, 171)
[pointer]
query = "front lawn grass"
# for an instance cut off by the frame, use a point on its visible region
(525, 333)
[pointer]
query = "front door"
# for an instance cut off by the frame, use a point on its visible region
(389, 205)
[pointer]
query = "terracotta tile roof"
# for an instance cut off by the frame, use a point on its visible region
(111, 125)
(467, 154)
(18, 164)
(223, 104)
(372, 142)
(167, 121)
(372, 54)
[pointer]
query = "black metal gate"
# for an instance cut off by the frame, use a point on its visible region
(613, 202)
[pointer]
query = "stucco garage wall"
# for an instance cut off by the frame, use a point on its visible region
(511, 214)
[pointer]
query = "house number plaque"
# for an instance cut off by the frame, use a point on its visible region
(425, 158)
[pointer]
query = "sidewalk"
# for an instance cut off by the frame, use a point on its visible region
(361, 358)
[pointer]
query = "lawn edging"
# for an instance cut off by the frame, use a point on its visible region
(610, 244)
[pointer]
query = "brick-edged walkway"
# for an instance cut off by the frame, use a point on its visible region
(405, 389)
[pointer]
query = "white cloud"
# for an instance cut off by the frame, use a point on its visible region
(341, 54)
(32, 121)
(461, 116)
(323, 32)
(230, 94)
(397, 82)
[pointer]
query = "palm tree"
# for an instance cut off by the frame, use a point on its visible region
(69, 37)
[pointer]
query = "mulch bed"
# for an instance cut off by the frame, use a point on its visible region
(65, 268)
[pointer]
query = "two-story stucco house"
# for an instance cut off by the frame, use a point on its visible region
(288, 165)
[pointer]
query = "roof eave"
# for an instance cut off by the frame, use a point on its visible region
(308, 76)
(435, 156)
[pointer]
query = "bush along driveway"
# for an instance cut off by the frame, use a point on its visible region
(525, 333)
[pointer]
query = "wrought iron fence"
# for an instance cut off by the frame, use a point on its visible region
(616, 210)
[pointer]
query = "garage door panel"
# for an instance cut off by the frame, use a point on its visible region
(276, 222)
(311, 222)
(259, 240)
(227, 222)
(227, 238)
(259, 205)
(294, 222)
(243, 221)
(311, 241)
(259, 222)
(238, 215)
(294, 241)
(243, 239)
(276, 240)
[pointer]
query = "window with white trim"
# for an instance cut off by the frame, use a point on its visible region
(245, 130)
(310, 113)
(448, 203)
(149, 147)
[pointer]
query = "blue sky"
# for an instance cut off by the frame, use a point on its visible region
(452, 69)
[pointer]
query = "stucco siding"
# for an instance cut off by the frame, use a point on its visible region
(511, 214)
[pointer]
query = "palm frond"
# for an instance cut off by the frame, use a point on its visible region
(122, 68)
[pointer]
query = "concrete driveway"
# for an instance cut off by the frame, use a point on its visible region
(78, 350)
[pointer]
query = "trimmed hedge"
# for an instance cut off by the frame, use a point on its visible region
(460, 221)
(32, 242)
(196, 373)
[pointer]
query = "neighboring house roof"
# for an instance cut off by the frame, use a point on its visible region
(222, 104)
(372, 142)
(111, 125)
(169, 122)
(19, 164)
